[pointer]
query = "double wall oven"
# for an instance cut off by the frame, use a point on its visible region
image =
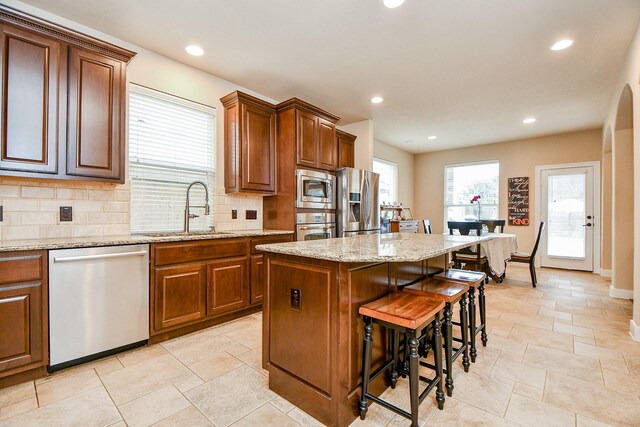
(315, 205)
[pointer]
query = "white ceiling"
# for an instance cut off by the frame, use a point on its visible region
(467, 71)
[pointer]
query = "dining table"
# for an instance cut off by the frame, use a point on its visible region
(498, 251)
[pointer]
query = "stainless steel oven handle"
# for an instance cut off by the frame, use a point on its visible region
(319, 227)
(101, 256)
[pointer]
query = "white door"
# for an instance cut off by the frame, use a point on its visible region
(567, 209)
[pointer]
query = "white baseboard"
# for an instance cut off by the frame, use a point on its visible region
(605, 273)
(634, 330)
(620, 293)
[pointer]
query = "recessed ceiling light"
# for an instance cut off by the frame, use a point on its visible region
(377, 99)
(432, 137)
(529, 120)
(562, 44)
(393, 3)
(194, 50)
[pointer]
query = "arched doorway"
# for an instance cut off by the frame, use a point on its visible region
(623, 197)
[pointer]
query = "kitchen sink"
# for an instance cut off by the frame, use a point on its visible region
(182, 233)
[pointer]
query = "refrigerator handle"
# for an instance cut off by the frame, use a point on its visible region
(368, 201)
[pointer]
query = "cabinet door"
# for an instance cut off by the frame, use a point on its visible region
(346, 147)
(21, 340)
(95, 136)
(29, 119)
(227, 285)
(306, 139)
(257, 277)
(327, 150)
(179, 295)
(258, 148)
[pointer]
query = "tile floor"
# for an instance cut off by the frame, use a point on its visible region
(557, 355)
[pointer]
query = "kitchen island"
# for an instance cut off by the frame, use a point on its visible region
(312, 332)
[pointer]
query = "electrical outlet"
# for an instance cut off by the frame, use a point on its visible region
(234, 214)
(251, 214)
(66, 213)
(296, 299)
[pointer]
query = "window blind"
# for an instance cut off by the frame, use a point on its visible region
(463, 182)
(171, 144)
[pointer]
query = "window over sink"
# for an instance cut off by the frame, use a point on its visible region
(463, 182)
(172, 143)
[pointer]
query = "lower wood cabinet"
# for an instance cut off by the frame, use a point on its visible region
(23, 311)
(227, 285)
(257, 277)
(179, 295)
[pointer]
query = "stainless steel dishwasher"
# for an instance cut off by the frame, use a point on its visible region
(98, 302)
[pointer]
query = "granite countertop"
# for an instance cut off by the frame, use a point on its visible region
(134, 239)
(393, 247)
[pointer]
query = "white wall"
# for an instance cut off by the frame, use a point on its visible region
(404, 160)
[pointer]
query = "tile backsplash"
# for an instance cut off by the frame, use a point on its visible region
(32, 209)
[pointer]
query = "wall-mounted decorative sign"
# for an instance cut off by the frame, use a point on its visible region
(519, 200)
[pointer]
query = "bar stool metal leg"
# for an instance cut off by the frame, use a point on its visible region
(366, 365)
(472, 324)
(437, 355)
(464, 331)
(448, 348)
(414, 377)
(483, 314)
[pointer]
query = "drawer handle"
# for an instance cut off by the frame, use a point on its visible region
(101, 256)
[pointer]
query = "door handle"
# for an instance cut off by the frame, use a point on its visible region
(587, 224)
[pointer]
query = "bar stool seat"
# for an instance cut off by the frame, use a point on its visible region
(403, 312)
(474, 279)
(451, 292)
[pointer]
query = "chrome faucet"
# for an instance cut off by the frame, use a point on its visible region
(187, 215)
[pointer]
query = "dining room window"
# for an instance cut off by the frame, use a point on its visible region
(463, 183)
(388, 184)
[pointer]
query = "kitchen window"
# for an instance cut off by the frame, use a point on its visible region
(462, 183)
(388, 187)
(171, 144)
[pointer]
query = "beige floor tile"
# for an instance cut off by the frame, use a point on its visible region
(528, 391)
(400, 397)
(187, 383)
(396, 421)
(230, 397)
(304, 419)
(119, 424)
(592, 400)
(247, 331)
(532, 413)
(624, 383)
(90, 408)
(268, 416)
(153, 407)
(197, 347)
(282, 404)
(253, 358)
(487, 392)
(611, 359)
(584, 340)
(583, 421)
(216, 365)
(601, 323)
(525, 374)
(499, 327)
(487, 357)
(578, 331)
(549, 339)
(562, 315)
(457, 413)
(76, 369)
(143, 378)
(507, 344)
(69, 385)
(143, 354)
(578, 366)
(377, 416)
(633, 361)
(17, 408)
(190, 417)
(17, 393)
(109, 366)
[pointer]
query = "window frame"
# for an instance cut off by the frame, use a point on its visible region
(395, 178)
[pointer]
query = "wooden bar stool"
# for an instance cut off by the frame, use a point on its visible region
(474, 279)
(451, 292)
(403, 312)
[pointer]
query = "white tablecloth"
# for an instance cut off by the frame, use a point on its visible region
(498, 250)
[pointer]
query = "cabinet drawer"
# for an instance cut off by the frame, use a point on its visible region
(175, 253)
(21, 268)
(265, 240)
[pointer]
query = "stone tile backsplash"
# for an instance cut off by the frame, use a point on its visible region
(32, 209)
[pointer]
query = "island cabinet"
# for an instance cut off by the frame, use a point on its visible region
(23, 316)
(310, 132)
(63, 96)
(257, 265)
(346, 149)
(250, 144)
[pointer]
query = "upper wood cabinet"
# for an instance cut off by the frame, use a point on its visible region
(314, 134)
(250, 144)
(346, 148)
(63, 96)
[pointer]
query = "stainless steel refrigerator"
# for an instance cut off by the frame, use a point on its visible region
(358, 210)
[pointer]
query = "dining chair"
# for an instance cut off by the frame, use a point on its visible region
(468, 256)
(526, 258)
(427, 226)
(492, 224)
